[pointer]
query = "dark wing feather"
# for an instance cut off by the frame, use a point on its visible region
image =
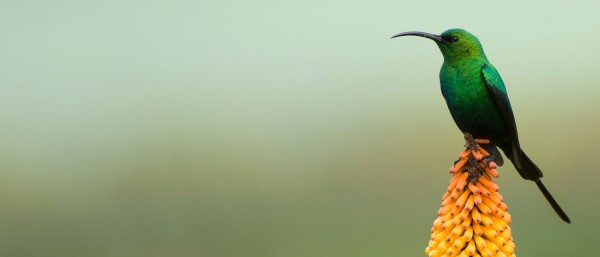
(497, 91)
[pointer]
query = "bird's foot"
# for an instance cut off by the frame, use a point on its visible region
(488, 159)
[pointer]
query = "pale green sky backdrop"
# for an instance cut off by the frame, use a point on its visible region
(278, 128)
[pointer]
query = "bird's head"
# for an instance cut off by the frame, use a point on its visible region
(455, 44)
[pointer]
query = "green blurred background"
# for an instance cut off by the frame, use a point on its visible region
(277, 128)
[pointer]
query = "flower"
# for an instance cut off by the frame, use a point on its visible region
(472, 220)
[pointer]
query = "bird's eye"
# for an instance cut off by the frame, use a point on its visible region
(450, 39)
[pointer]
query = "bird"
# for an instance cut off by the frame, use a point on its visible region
(478, 102)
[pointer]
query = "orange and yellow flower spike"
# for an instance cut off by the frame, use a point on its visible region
(472, 220)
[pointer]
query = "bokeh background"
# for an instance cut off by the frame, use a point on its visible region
(278, 128)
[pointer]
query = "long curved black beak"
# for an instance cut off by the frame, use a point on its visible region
(433, 37)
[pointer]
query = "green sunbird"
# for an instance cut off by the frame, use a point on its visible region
(478, 102)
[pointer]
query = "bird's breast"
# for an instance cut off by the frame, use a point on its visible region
(469, 101)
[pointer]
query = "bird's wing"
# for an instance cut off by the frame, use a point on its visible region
(497, 91)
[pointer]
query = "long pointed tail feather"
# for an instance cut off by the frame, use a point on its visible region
(552, 202)
(530, 171)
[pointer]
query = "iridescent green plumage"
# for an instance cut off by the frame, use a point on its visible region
(477, 99)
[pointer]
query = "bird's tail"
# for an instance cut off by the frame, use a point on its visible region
(552, 202)
(530, 171)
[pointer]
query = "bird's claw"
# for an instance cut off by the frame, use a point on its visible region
(488, 159)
